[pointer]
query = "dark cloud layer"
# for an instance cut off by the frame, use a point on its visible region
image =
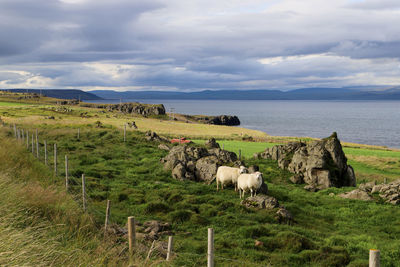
(200, 44)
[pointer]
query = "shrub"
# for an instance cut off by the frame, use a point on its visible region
(156, 207)
(180, 216)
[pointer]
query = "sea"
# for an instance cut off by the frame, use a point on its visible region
(363, 122)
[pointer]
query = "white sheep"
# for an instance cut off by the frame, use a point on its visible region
(227, 175)
(249, 181)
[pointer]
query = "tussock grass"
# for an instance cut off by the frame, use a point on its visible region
(41, 225)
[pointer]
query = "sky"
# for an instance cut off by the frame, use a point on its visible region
(181, 45)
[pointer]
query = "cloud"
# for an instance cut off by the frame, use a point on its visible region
(199, 44)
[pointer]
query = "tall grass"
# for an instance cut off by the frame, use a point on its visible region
(41, 225)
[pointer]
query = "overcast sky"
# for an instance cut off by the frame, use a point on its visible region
(191, 45)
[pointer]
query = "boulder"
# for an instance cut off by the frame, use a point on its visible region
(154, 229)
(320, 164)
(261, 202)
(389, 192)
(211, 143)
(367, 187)
(206, 168)
(357, 194)
(284, 216)
(376, 188)
(153, 136)
(224, 120)
(179, 172)
(223, 155)
(197, 163)
(163, 147)
(297, 179)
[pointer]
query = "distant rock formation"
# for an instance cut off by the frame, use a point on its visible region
(320, 164)
(224, 120)
(131, 108)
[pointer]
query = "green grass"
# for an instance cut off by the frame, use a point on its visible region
(11, 104)
(329, 231)
(39, 224)
(247, 148)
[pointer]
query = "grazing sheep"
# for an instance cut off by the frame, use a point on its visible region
(227, 175)
(249, 181)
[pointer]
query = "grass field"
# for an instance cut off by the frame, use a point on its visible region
(328, 231)
(11, 104)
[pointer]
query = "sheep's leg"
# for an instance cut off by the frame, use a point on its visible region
(217, 185)
(251, 192)
(222, 186)
(255, 192)
(240, 194)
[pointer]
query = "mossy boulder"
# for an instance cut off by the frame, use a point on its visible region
(320, 164)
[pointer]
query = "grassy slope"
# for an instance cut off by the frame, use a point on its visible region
(329, 231)
(37, 114)
(39, 224)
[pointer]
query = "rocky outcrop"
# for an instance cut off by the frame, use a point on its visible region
(357, 194)
(261, 202)
(130, 108)
(389, 192)
(196, 163)
(320, 164)
(154, 137)
(154, 229)
(284, 216)
(164, 147)
(227, 120)
(211, 143)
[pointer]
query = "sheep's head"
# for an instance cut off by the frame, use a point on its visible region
(243, 169)
(259, 176)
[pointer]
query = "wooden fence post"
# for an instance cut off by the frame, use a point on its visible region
(18, 135)
(55, 159)
(37, 144)
(83, 193)
(124, 132)
(33, 145)
(210, 252)
(45, 152)
(27, 139)
(15, 131)
(107, 217)
(374, 258)
(66, 172)
(22, 136)
(169, 251)
(131, 235)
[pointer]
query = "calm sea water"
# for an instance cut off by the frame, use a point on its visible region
(365, 122)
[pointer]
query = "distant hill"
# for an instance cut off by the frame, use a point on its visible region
(61, 93)
(377, 93)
